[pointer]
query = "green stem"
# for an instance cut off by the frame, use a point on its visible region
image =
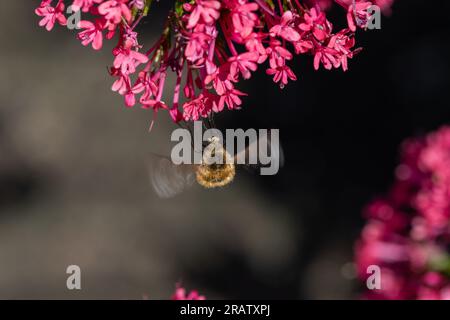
(148, 4)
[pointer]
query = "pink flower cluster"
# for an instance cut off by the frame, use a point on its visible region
(408, 231)
(181, 294)
(211, 45)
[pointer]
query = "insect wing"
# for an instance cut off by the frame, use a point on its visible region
(264, 141)
(168, 179)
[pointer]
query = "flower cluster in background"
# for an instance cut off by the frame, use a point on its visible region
(408, 231)
(181, 294)
(211, 45)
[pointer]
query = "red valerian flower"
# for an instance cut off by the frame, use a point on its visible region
(315, 21)
(231, 99)
(206, 11)
(281, 74)
(51, 15)
(93, 33)
(407, 233)
(84, 5)
(243, 16)
(284, 29)
(180, 294)
(114, 10)
(197, 45)
(127, 60)
(243, 64)
(198, 107)
(358, 15)
(211, 46)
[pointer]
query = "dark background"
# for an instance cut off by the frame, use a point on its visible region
(73, 174)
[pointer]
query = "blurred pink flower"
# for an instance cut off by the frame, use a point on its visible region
(180, 294)
(408, 231)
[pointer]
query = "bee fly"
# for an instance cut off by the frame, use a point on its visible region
(217, 167)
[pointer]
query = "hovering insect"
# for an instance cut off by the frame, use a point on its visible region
(169, 179)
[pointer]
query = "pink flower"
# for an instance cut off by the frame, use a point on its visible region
(114, 10)
(210, 46)
(408, 232)
(85, 5)
(199, 107)
(51, 15)
(127, 60)
(220, 79)
(316, 23)
(328, 57)
(243, 17)
(343, 43)
(206, 11)
(231, 99)
(180, 294)
(254, 44)
(285, 29)
(281, 74)
(122, 83)
(278, 69)
(358, 15)
(146, 84)
(303, 46)
(138, 4)
(92, 33)
(278, 54)
(244, 64)
(197, 45)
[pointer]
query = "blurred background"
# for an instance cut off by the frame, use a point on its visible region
(74, 185)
